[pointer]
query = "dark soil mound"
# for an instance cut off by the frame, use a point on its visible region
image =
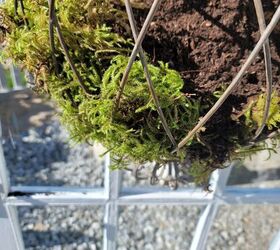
(207, 42)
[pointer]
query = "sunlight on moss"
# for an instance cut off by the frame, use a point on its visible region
(254, 114)
(98, 39)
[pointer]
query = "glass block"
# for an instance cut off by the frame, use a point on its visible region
(61, 227)
(157, 227)
(39, 151)
(260, 170)
(244, 227)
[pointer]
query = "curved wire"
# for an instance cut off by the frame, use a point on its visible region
(268, 67)
(54, 23)
(236, 80)
(135, 50)
(147, 74)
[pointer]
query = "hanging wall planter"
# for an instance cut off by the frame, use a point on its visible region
(79, 53)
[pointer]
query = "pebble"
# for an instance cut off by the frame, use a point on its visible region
(208, 24)
(224, 235)
(43, 156)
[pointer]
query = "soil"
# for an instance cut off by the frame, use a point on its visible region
(207, 42)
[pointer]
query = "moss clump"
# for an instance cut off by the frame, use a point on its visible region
(93, 37)
(135, 128)
(254, 113)
(134, 131)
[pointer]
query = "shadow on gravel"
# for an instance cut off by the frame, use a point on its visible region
(20, 110)
(30, 157)
(50, 239)
(45, 156)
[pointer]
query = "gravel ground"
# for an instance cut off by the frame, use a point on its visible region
(61, 228)
(43, 156)
(47, 154)
(157, 227)
(244, 227)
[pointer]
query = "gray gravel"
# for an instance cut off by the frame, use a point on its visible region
(244, 227)
(157, 227)
(43, 156)
(61, 228)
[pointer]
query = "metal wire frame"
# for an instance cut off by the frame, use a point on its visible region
(113, 195)
(265, 34)
(268, 66)
(146, 71)
(263, 42)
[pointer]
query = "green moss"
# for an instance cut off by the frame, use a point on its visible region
(255, 111)
(200, 171)
(97, 36)
(133, 132)
(136, 127)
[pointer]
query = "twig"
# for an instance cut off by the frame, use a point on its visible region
(68, 57)
(194, 71)
(22, 6)
(147, 74)
(67, 54)
(138, 43)
(16, 7)
(236, 80)
(52, 45)
(268, 67)
(22, 10)
(51, 34)
(23, 13)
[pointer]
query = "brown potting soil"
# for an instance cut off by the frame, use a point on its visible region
(207, 42)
